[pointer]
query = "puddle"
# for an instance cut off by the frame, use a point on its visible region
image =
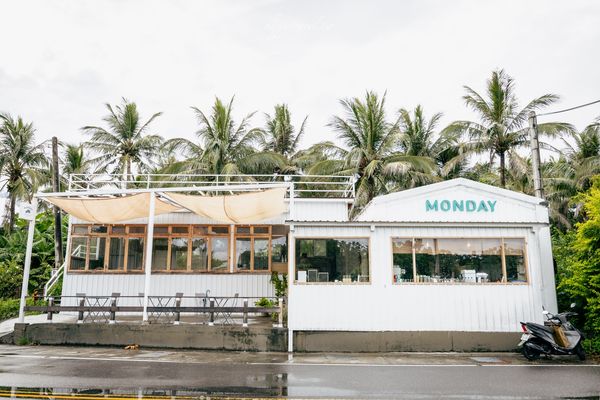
(488, 360)
(274, 387)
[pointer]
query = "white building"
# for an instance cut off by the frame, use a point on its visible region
(456, 258)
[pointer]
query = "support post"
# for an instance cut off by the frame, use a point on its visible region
(113, 311)
(291, 280)
(80, 313)
(211, 315)
(50, 305)
(280, 316)
(535, 156)
(148, 263)
(177, 312)
(58, 255)
(27, 266)
(245, 319)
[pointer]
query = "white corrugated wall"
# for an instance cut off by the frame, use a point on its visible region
(382, 305)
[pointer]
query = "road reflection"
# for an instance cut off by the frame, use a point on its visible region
(267, 386)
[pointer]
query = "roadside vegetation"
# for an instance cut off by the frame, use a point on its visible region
(385, 151)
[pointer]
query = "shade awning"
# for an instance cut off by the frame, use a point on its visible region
(110, 210)
(235, 209)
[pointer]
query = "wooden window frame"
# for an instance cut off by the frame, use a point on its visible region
(252, 236)
(504, 280)
(368, 238)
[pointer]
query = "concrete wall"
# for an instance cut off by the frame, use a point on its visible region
(259, 339)
(155, 335)
(336, 341)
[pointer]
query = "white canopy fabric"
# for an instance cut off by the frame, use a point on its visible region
(235, 209)
(117, 209)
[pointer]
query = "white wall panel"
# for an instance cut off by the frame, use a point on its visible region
(382, 305)
(247, 285)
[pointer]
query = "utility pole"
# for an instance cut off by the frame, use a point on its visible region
(58, 256)
(535, 156)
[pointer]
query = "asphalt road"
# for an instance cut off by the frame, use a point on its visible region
(102, 371)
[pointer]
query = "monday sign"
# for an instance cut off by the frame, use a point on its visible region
(460, 205)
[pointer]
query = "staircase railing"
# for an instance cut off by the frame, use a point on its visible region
(54, 278)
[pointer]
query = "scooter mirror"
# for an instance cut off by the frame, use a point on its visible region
(573, 305)
(545, 312)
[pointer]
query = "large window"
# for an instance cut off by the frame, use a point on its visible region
(344, 260)
(464, 260)
(252, 248)
(177, 248)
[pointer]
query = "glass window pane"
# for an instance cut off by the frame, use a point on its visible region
(261, 254)
(179, 253)
(161, 230)
(200, 230)
(279, 249)
(160, 247)
(97, 252)
(332, 260)
(99, 229)
(118, 229)
(179, 229)
(137, 229)
(199, 254)
(135, 254)
(219, 230)
(403, 260)
(219, 255)
(242, 253)
(242, 229)
(473, 260)
(261, 230)
(80, 229)
(514, 256)
(426, 262)
(78, 252)
(116, 254)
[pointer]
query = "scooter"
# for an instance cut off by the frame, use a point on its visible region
(541, 339)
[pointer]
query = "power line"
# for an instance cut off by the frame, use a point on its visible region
(570, 109)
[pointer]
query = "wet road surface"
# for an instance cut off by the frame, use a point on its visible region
(100, 372)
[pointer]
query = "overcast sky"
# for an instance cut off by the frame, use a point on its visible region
(62, 60)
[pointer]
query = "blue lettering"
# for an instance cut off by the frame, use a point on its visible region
(431, 206)
(470, 205)
(445, 205)
(492, 205)
(482, 206)
(458, 205)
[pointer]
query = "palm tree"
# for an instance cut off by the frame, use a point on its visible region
(280, 136)
(22, 162)
(124, 143)
(418, 137)
(75, 161)
(501, 129)
(224, 147)
(371, 141)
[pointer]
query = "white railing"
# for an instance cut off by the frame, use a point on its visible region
(304, 185)
(56, 274)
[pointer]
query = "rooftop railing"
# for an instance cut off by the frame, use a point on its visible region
(332, 186)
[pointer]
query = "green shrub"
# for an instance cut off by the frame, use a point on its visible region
(9, 308)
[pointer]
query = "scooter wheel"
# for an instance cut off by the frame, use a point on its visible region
(580, 352)
(530, 353)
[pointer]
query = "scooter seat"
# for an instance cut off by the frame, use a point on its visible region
(542, 327)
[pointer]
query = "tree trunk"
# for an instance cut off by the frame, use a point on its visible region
(129, 174)
(502, 170)
(11, 213)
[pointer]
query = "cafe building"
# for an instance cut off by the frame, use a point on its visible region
(429, 268)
